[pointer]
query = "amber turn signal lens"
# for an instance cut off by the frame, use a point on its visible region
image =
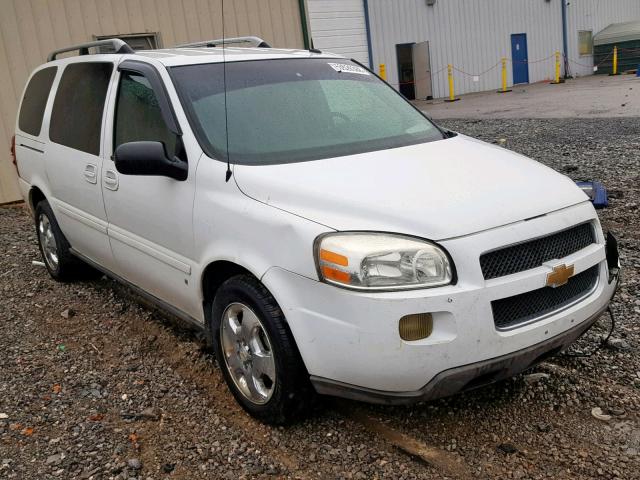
(416, 326)
(335, 258)
(336, 275)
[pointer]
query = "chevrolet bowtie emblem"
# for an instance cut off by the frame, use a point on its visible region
(560, 275)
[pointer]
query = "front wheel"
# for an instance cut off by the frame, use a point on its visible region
(257, 354)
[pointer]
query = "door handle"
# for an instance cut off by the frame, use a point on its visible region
(111, 180)
(90, 173)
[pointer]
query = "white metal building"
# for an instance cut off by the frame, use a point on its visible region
(416, 39)
(339, 26)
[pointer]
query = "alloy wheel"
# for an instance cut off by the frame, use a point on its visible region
(247, 353)
(48, 242)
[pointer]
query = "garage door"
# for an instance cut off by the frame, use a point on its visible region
(338, 26)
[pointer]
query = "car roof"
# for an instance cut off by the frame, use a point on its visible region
(211, 51)
(192, 55)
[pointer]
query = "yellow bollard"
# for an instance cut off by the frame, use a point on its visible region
(382, 68)
(615, 61)
(452, 97)
(556, 77)
(504, 76)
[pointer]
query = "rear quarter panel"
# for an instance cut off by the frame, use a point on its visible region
(31, 150)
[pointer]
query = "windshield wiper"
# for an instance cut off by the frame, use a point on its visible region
(448, 133)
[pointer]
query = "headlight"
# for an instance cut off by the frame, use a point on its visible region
(381, 261)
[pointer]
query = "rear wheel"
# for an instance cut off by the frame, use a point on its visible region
(55, 249)
(257, 354)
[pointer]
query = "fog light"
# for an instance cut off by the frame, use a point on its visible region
(416, 326)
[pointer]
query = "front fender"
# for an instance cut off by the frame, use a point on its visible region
(230, 226)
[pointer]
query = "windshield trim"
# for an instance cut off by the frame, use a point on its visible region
(215, 154)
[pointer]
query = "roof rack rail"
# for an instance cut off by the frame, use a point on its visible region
(256, 41)
(118, 45)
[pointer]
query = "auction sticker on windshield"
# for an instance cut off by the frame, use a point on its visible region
(342, 67)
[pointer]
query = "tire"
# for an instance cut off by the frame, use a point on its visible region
(248, 325)
(61, 264)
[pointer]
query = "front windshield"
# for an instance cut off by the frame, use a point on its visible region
(291, 110)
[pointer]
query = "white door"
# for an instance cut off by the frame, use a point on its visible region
(150, 217)
(74, 157)
(421, 70)
(339, 26)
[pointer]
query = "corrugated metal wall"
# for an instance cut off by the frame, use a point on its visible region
(594, 15)
(338, 26)
(29, 29)
(473, 35)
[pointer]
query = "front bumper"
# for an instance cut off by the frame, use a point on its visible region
(467, 377)
(350, 344)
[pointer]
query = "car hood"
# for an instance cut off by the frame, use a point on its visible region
(436, 190)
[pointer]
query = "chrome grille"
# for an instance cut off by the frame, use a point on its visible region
(511, 311)
(533, 253)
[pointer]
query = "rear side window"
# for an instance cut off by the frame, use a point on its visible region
(35, 101)
(76, 119)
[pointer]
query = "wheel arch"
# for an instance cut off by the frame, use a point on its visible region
(213, 276)
(35, 196)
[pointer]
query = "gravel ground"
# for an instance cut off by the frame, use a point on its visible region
(95, 385)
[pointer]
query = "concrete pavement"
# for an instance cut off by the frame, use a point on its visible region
(586, 97)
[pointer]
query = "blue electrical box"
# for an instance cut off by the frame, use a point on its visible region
(596, 193)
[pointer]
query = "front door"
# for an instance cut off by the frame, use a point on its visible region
(422, 70)
(519, 58)
(150, 217)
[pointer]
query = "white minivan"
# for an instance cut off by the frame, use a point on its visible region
(326, 235)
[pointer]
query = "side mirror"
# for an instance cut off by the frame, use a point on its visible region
(148, 158)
